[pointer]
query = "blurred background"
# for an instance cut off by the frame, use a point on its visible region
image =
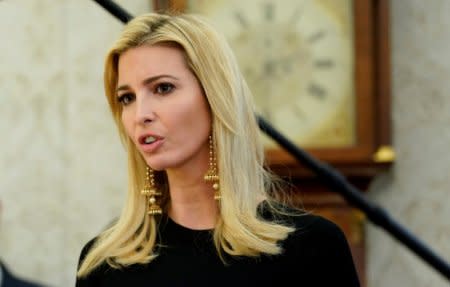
(63, 169)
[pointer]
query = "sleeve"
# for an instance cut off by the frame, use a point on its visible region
(335, 259)
(322, 248)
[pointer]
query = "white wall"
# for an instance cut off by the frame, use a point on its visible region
(62, 173)
(416, 191)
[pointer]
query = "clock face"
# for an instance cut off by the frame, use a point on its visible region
(297, 57)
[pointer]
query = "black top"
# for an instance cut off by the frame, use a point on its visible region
(316, 254)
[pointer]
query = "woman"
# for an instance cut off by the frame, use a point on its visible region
(201, 208)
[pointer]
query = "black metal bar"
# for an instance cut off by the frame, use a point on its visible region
(337, 182)
(334, 180)
(115, 10)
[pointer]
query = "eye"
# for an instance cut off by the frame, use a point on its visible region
(164, 88)
(125, 99)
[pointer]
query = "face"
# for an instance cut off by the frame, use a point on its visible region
(165, 112)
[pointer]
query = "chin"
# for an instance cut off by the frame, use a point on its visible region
(161, 161)
(157, 165)
(157, 168)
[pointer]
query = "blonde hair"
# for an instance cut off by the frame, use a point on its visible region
(244, 181)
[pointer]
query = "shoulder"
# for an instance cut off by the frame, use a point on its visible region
(85, 249)
(91, 279)
(320, 240)
(323, 245)
(307, 225)
(316, 228)
(313, 233)
(317, 244)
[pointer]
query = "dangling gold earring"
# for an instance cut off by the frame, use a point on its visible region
(211, 175)
(151, 193)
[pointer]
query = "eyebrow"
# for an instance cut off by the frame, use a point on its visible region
(146, 82)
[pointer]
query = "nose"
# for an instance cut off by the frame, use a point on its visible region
(144, 111)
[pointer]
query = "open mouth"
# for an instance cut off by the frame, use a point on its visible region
(149, 140)
(150, 143)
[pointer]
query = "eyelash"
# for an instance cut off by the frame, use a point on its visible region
(165, 85)
(160, 89)
(125, 99)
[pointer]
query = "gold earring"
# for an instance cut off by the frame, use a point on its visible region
(151, 193)
(211, 174)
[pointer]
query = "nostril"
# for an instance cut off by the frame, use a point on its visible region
(144, 119)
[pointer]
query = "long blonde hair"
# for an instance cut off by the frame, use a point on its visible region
(243, 180)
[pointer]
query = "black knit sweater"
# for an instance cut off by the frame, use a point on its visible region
(316, 254)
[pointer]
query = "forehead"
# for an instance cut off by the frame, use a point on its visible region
(160, 58)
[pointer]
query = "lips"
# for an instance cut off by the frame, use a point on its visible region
(150, 142)
(148, 138)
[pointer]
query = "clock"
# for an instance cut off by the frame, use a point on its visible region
(297, 59)
(318, 70)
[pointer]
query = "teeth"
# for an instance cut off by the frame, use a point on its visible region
(149, 139)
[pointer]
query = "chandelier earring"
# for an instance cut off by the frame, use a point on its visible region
(150, 192)
(211, 175)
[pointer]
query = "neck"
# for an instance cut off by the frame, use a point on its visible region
(192, 201)
(194, 216)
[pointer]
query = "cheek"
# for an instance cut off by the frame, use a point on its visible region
(199, 120)
(127, 122)
(189, 123)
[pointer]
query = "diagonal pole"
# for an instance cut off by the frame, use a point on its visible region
(115, 10)
(376, 214)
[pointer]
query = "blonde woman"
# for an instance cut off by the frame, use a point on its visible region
(201, 209)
